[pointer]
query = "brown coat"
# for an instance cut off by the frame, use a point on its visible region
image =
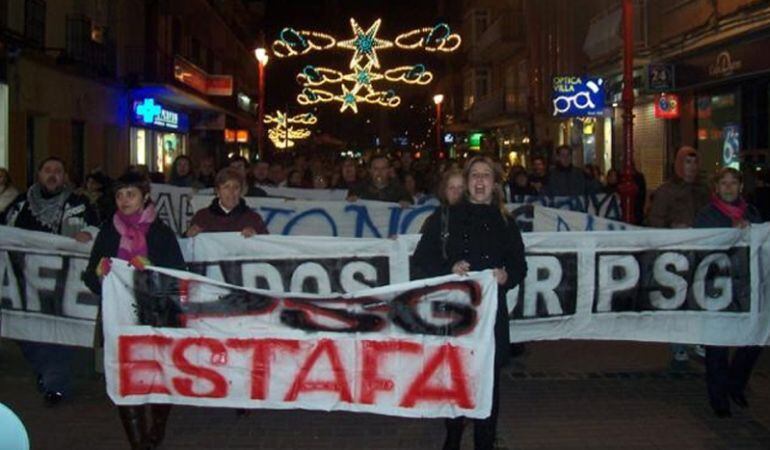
(676, 203)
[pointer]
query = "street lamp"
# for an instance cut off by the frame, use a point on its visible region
(262, 57)
(437, 99)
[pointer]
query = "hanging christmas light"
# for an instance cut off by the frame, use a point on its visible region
(357, 86)
(283, 134)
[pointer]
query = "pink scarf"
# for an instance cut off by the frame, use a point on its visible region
(735, 211)
(133, 232)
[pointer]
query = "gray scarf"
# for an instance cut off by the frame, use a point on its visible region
(47, 211)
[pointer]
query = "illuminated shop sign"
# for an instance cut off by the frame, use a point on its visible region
(731, 146)
(578, 96)
(148, 113)
(667, 106)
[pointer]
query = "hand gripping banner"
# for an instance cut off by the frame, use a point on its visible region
(417, 349)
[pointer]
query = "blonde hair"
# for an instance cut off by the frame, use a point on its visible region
(445, 177)
(498, 198)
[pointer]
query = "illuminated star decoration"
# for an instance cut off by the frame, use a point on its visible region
(283, 134)
(357, 86)
(365, 44)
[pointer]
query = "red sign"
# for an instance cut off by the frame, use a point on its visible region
(195, 77)
(667, 106)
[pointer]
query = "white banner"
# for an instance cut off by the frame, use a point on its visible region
(174, 205)
(174, 337)
(691, 286)
(380, 219)
(306, 194)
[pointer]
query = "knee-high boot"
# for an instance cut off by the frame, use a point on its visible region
(158, 418)
(135, 424)
(454, 433)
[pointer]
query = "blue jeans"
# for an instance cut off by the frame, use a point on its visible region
(52, 363)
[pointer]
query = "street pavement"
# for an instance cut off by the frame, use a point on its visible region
(559, 395)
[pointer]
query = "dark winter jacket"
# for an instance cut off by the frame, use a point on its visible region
(568, 181)
(162, 248)
(394, 192)
(477, 234)
(77, 214)
(215, 219)
(710, 217)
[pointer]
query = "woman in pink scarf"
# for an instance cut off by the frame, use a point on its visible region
(134, 234)
(727, 379)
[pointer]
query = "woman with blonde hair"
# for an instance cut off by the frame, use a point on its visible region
(478, 234)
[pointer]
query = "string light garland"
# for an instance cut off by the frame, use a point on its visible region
(283, 134)
(357, 86)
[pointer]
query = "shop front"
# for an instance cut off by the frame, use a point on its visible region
(728, 90)
(579, 112)
(158, 134)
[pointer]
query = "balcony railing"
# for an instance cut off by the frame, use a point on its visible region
(504, 35)
(497, 103)
(81, 48)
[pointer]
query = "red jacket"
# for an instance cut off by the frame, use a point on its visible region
(215, 219)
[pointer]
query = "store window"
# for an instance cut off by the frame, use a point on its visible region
(156, 149)
(719, 130)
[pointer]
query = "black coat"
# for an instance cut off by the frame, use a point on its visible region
(710, 217)
(477, 234)
(162, 248)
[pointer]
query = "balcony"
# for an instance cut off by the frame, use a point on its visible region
(497, 108)
(83, 49)
(503, 38)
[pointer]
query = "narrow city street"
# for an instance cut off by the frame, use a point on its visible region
(559, 395)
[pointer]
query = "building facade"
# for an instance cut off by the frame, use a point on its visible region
(104, 84)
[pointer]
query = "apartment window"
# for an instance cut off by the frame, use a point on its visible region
(176, 35)
(78, 151)
(468, 97)
(523, 85)
(510, 86)
(34, 22)
(481, 83)
(480, 22)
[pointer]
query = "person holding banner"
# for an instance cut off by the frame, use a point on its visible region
(477, 234)
(725, 378)
(50, 206)
(135, 234)
(674, 205)
(228, 211)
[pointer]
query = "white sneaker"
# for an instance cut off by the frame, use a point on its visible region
(681, 356)
(699, 350)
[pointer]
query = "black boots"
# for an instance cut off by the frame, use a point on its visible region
(135, 424)
(143, 432)
(158, 418)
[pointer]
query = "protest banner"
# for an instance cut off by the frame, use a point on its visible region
(190, 340)
(380, 219)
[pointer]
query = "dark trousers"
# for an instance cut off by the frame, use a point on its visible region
(51, 362)
(724, 377)
(484, 430)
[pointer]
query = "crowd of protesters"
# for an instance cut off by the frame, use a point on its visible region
(471, 230)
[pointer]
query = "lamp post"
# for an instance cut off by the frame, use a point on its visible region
(261, 55)
(627, 187)
(437, 99)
